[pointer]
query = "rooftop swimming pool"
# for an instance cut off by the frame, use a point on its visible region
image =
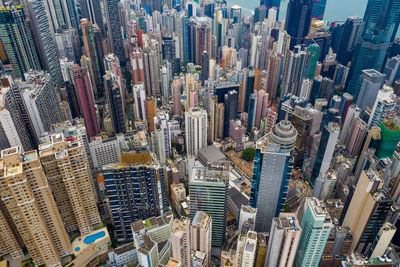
(92, 238)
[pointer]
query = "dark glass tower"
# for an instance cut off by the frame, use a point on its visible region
(114, 29)
(231, 107)
(380, 24)
(298, 20)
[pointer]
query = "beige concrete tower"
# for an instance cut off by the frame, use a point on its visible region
(200, 230)
(180, 241)
(66, 169)
(23, 206)
(8, 241)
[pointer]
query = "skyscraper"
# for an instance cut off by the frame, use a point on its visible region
(316, 225)
(298, 20)
(200, 234)
(347, 40)
(205, 65)
(180, 241)
(86, 100)
(383, 107)
(115, 102)
(65, 165)
(367, 211)
(246, 249)
(230, 109)
(356, 138)
(136, 189)
(32, 208)
(271, 174)
(284, 238)
(41, 100)
(330, 134)
(44, 39)
(139, 101)
(8, 240)
(17, 41)
(195, 130)
(371, 82)
(94, 52)
(176, 95)
(114, 29)
(376, 36)
(208, 189)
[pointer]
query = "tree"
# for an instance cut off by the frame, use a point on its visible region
(249, 154)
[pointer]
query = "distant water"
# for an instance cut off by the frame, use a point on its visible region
(335, 9)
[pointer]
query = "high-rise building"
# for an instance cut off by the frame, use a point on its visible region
(40, 96)
(17, 41)
(205, 66)
(392, 70)
(114, 29)
(384, 106)
(294, 71)
(371, 83)
(251, 115)
(67, 42)
(94, 51)
(161, 137)
(316, 225)
(200, 33)
(32, 208)
(367, 211)
(151, 105)
(356, 136)
(9, 136)
(337, 246)
(200, 234)
(86, 99)
(230, 109)
(44, 39)
(271, 174)
(14, 108)
(139, 101)
(208, 189)
(152, 238)
(195, 130)
(9, 243)
(353, 112)
(347, 39)
(375, 38)
(284, 238)
(382, 240)
(169, 54)
(180, 241)
(176, 95)
(246, 251)
(136, 190)
(261, 107)
(65, 165)
(301, 121)
(298, 20)
(327, 144)
(115, 102)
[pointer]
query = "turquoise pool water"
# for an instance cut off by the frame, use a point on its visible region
(92, 238)
(77, 249)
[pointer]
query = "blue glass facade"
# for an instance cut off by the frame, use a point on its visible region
(133, 195)
(380, 24)
(270, 181)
